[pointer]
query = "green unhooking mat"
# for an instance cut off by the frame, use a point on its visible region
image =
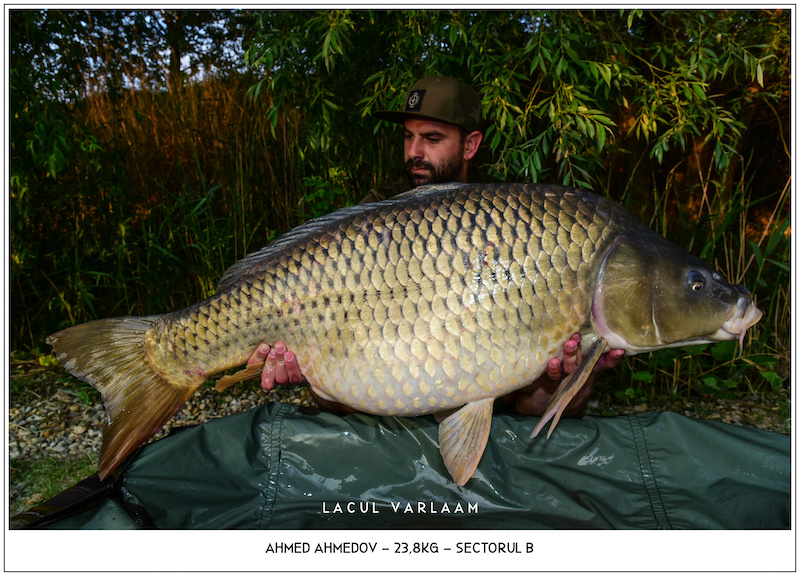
(277, 468)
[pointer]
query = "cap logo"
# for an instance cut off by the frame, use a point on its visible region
(414, 100)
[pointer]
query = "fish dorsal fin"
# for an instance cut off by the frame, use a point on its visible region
(305, 231)
(429, 189)
(312, 227)
(569, 387)
(463, 436)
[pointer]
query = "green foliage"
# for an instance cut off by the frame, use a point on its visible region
(151, 149)
(325, 196)
(566, 93)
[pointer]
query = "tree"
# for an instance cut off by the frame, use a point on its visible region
(569, 94)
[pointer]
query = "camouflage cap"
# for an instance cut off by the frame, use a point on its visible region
(442, 99)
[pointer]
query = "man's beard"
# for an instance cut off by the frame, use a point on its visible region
(448, 171)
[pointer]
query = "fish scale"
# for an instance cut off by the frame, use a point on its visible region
(366, 304)
(439, 300)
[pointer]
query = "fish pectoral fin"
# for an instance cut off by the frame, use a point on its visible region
(568, 388)
(247, 373)
(463, 436)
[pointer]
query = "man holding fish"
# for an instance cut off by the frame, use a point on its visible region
(442, 124)
(441, 301)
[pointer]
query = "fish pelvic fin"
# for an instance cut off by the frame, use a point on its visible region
(569, 387)
(252, 371)
(110, 355)
(463, 436)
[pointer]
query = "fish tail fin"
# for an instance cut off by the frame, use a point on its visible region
(110, 355)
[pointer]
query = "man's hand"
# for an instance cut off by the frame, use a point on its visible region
(280, 365)
(556, 369)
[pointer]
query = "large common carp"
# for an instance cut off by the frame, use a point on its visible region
(438, 301)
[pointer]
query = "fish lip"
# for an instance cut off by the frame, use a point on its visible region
(744, 315)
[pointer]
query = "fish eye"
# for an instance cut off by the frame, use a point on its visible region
(696, 281)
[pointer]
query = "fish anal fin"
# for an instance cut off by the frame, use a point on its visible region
(463, 436)
(569, 387)
(247, 373)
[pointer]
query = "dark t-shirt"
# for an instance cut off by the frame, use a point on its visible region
(387, 191)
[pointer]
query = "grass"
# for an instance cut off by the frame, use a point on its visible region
(34, 481)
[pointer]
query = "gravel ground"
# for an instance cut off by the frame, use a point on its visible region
(62, 425)
(56, 420)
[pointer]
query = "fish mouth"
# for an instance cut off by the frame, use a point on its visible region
(745, 315)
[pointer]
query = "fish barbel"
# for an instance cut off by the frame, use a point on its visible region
(437, 302)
